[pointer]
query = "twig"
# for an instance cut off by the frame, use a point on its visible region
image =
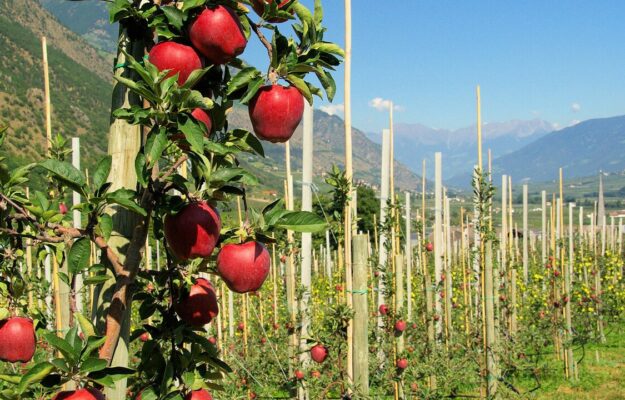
(262, 38)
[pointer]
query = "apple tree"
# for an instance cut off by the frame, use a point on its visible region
(174, 161)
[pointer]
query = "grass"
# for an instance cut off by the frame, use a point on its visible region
(602, 378)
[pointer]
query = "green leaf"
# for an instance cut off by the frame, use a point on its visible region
(105, 222)
(328, 83)
(318, 13)
(301, 221)
(65, 172)
(11, 378)
(195, 77)
(190, 4)
(301, 85)
(125, 198)
(96, 280)
(35, 374)
(85, 325)
(78, 257)
(155, 145)
(243, 78)
(327, 47)
(140, 169)
(102, 171)
(174, 16)
(193, 133)
(4, 313)
(61, 345)
(113, 373)
(93, 364)
(93, 343)
(252, 89)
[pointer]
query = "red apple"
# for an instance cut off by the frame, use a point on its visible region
(282, 258)
(217, 33)
(338, 288)
(81, 394)
(179, 58)
(212, 340)
(62, 208)
(200, 306)
(318, 353)
(17, 339)
(315, 374)
(244, 267)
(429, 246)
(400, 326)
(275, 112)
(194, 231)
(144, 337)
(263, 340)
(383, 309)
(401, 363)
(259, 7)
(241, 326)
(299, 375)
(201, 394)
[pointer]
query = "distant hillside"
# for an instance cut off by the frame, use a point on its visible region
(89, 18)
(81, 90)
(416, 142)
(79, 79)
(581, 150)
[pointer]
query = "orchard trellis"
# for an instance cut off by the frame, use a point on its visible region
(163, 234)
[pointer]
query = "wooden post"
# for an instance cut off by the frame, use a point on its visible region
(384, 193)
(567, 305)
(408, 252)
(525, 238)
(361, 316)
(123, 145)
(399, 310)
(438, 236)
(306, 263)
(78, 286)
(448, 275)
(48, 128)
(348, 175)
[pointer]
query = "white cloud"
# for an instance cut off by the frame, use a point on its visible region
(333, 109)
(381, 104)
(576, 107)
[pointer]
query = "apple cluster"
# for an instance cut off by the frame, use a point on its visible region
(217, 38)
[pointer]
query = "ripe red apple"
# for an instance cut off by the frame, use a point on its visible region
(383, 309)
(179, 58)
(556, 273)
(429, 246)
(212, 340)
(263, 340)
(81, 394)
(401, 363)
(201, 394)
(62, 208)
(244, 267)
(275, 112)
(194, 231)
(217, 33)
(259, 7)
(414, 386)
(400, 326)
(315, 374)
(318, 353)
(299, 375)
(241, 326)
(17, 339)
(144, 337)
(200, 306)
(282, 258)
(338, 288)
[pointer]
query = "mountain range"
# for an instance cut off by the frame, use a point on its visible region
(415, 143)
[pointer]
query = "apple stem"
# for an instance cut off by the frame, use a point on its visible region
(262, 38)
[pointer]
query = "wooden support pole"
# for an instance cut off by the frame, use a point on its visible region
(384, 193)
(361, 316)
(408, 252)
(525, 238)
(571, 368)
(78, 285)
(438, 237)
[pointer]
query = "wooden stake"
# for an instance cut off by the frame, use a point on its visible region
(525, 238)
(438, 236)
(361, 316)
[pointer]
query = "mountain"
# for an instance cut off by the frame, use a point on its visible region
(80, 82)
(90, 19)
(581, 150)
(416, 142)
(81, 86)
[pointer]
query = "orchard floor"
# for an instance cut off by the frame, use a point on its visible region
(598, 379)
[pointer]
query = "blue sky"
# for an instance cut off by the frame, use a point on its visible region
(561, 61)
